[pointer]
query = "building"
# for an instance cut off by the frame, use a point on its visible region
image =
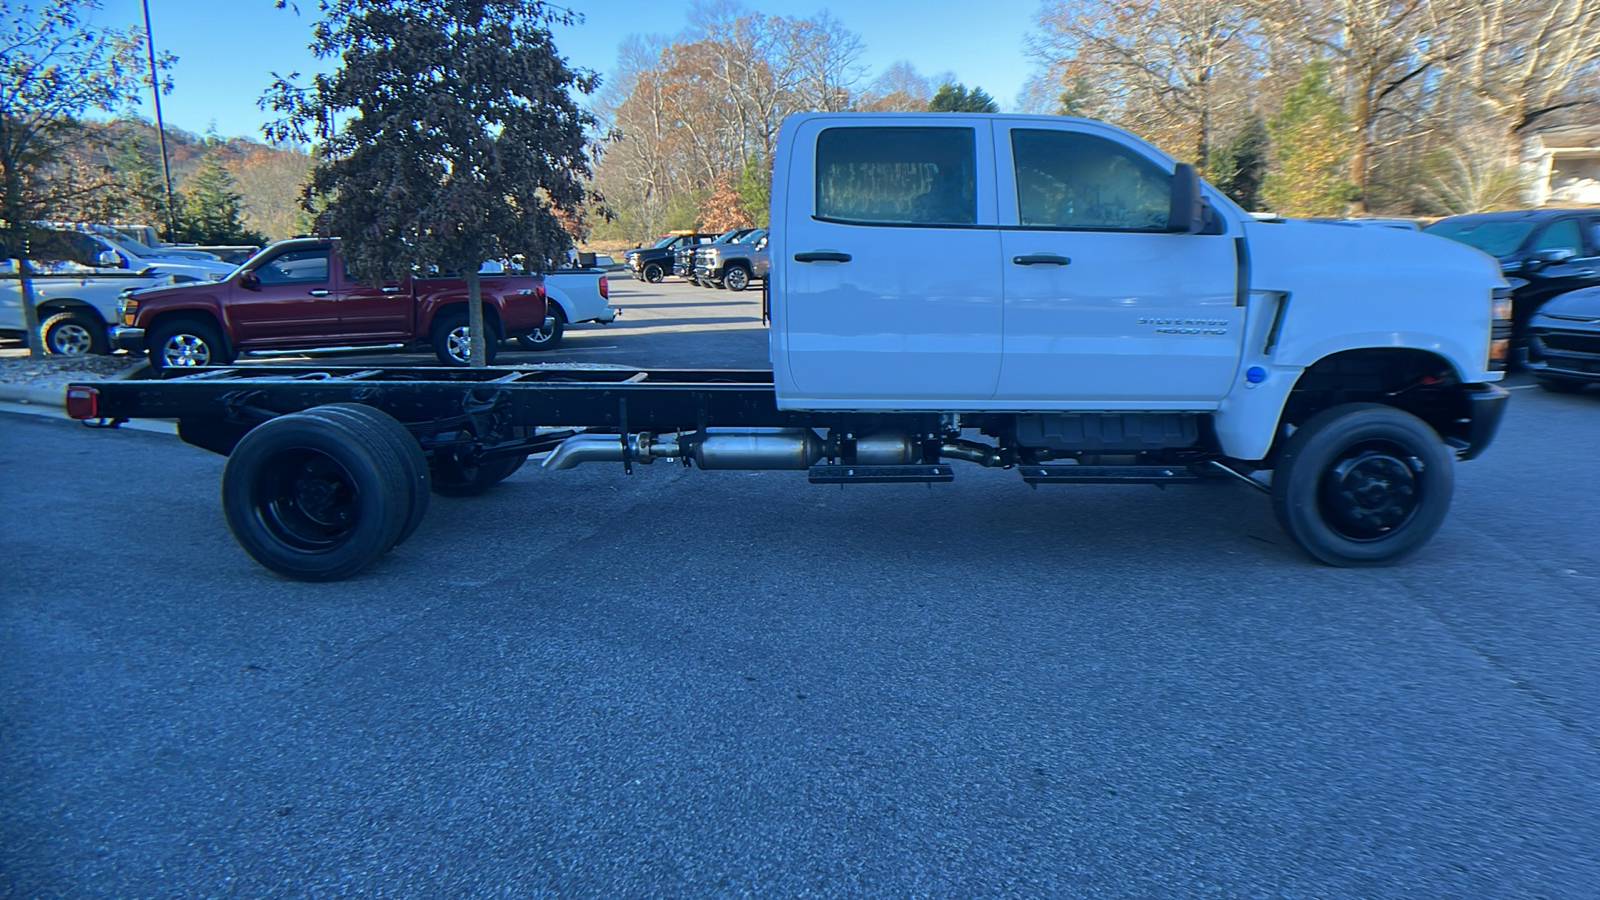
(1565, 162)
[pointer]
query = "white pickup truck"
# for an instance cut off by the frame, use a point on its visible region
(1049, 295)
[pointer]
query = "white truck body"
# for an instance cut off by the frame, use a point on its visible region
(947, 316)
(577, 292)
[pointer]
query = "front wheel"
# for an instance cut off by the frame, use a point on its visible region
(737, 278)
(73, 334)
(182, 343)
(545, 338)
(1362, 484)
(653, 273)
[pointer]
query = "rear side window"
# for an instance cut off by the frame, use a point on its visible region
(898, 176)
(1071, 180)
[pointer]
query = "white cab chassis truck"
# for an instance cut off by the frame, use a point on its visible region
(1048, 295)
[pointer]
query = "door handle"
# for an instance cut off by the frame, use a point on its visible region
(318, 293)
(1041, 259)
(822, 256)
(391, 290)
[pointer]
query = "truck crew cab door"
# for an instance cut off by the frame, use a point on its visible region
(890, 269)
(374, 312)
(1102, 306)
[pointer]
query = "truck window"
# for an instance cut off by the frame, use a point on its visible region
(1562, 233)
(295, 267)
(62, 252)
(899, 176)
(1071, 180)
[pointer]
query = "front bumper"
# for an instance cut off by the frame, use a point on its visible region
(1487, 404)
(124, 338)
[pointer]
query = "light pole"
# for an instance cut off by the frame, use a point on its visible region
(161, 128)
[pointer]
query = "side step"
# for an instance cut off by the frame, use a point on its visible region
(882, 474)
(1107, 474)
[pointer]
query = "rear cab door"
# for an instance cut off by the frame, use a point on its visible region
(1103, 307)
(369, 312)
(889, 271)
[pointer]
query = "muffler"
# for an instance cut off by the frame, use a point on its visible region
(719, 448)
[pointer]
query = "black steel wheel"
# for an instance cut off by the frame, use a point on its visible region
(73, 334)
(313, 498)
(653, 273)
(1362, 485)
(546, 338)
(455, 477)
(386, 430)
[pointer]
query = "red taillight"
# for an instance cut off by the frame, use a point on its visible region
(605, 288)
(83, 402)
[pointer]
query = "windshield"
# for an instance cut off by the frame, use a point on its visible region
(128, 245)
(1494, 238)
(730, 235)
(663, 242)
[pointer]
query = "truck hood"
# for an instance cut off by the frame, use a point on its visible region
(1338, 259)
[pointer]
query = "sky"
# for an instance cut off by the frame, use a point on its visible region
(228, 49)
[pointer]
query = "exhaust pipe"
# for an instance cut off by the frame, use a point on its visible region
(750, 448)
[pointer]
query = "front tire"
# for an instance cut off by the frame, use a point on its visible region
(1362, 484)
(737, 278)
(546, 338)
(653, 273)
(313, 498)
(73, 334)
(184, 343)
(452, 340)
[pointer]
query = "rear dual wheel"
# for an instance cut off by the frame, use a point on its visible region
(322, 494)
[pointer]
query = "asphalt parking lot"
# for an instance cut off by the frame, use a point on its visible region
(724, 683)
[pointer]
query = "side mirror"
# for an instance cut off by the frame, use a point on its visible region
(110, 259)
(1555, 255)
(1187, 214)
(250, 281)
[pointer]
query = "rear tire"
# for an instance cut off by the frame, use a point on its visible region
(73, 334)
(1362, 484)
(183, 343)
(546, 339)
(313, 498)
(453, 478)
(387, 430)
(452, 340)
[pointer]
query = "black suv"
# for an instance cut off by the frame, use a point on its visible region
(654, 262)
(1543, 253)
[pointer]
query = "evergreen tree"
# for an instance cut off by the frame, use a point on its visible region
(211, 206)
(956, 98)
(1313, 144)
(1238, 166)
(755, 190)
(448, 135)
(143, 195)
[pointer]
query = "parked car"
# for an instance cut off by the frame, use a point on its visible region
(297, 295)
(730, 265)
(572, 296)
(654, 263)
(1564, 341)
(77, 285)
(684, 261)
(103, 247)
(1543, 252)
(1395, 222)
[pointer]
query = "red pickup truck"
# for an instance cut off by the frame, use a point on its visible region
(297, 295)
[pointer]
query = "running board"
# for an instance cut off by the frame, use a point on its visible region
(1107, 474)
(319, 351)
(881, 474)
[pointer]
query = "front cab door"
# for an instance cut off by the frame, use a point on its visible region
(1104, 307)
(290, 301)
